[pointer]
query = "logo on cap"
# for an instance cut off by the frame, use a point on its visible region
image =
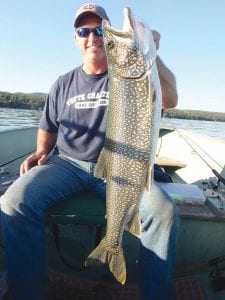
(89, 6)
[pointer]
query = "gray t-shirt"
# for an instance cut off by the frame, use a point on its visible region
(76, 109)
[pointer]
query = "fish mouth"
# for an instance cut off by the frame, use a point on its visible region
(127, 29)
(128, 25)
(135, 27)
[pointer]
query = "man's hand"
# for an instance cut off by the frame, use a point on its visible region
(167, 78)
(45, 143)
(33, 160)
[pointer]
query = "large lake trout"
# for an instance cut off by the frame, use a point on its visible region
(132, 131)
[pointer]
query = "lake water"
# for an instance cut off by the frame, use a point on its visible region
(210, 128)
(14, 118)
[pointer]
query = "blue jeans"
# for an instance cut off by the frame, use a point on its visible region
(159, 228)
(23, 217)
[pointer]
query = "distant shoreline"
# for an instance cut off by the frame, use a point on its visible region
(36, 101)
(33, 101)
(194, 115)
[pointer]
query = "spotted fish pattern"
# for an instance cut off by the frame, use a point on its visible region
(131, 135)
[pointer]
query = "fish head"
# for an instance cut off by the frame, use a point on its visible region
(130, 51)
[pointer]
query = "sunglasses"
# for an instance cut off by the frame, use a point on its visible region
(84, 32)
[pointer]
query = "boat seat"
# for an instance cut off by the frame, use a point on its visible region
(84, 208)
(168, 162)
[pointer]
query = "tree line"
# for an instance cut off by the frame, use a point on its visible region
(194, 115)
(36, 101)
(22, 100)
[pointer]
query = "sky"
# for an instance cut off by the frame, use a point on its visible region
(37, 44)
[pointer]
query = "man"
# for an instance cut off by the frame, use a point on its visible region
(74, 121)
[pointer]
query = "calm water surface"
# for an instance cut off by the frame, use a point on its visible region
(210, 128)
(11, 118)
(14, 118)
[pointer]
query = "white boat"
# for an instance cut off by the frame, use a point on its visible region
(197, 165)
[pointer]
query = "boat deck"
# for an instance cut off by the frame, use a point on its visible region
(72, 288)
(66, 285)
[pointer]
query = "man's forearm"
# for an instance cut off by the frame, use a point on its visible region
(168, 85)
(45, 141)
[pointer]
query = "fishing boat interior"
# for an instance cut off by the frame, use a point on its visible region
(195, 162)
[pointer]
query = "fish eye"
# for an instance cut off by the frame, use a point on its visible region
(110, 44)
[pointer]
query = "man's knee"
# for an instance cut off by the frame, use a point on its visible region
(10, 202)
(17, 199)
(158, 205)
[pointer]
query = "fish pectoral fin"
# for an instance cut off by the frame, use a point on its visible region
(134, 225)
(114, 258)
(149, 179)
(100, 168)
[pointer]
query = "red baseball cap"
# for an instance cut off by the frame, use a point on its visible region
(90, 8)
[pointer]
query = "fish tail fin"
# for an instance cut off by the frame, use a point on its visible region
(133, 225)
(115, 259)
(100, 168)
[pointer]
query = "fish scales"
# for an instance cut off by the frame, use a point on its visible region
(131, 135)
